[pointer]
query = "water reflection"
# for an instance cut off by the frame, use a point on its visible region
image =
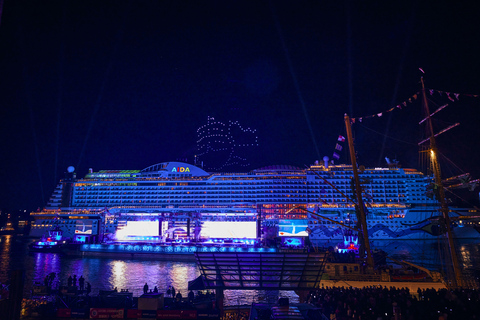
(106, 274)
(119, 271)
(5, 250)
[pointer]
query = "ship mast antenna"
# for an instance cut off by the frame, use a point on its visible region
(457, 281)
(359, 205)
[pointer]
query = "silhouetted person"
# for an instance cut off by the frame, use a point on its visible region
(145, 288)
(89, 287)
(74, 280)
(169, 291)
(69, 281)
(155, 290)
(173, 292)
(191, 296)
(179, 296)
(81, 283)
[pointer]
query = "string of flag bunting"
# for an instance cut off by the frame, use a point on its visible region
(338, 147)
(452, 96)
(398, 106)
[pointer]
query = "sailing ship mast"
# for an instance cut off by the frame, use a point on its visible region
(457, 281)
(358, 190)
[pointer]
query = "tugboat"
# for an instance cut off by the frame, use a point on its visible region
(8, 228)
(350, 243)
(53, 242)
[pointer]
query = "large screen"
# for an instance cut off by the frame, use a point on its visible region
(84, 226)
(138, 228)
(296, 228)
(228, 229)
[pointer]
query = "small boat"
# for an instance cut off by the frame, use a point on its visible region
(350, 243)
(8, 228)
(53, 242)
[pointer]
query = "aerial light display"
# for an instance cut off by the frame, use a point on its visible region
(293, 227)
(221, 145)
(228, 230)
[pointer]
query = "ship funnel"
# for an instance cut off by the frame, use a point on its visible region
(325, 161)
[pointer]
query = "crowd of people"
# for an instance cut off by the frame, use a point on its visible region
(83, 286)
(382, 303)
(339, 303)
(177, 295)
(72, 283)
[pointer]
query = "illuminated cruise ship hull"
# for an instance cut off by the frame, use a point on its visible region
(176, 202)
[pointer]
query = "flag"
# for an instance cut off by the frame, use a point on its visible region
(338, 147)
(341, 138)
(364, 208)
(336, 156)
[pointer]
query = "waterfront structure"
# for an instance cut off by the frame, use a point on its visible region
(180, 202)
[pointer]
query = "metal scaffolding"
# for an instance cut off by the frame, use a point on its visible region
(261, 271)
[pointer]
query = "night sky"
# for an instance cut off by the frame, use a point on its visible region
(125, 85)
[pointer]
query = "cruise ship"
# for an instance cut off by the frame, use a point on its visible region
(181, 202)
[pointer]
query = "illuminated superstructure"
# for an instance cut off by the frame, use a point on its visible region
(176, 201)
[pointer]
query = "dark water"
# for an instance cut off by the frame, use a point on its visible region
(108, 273)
